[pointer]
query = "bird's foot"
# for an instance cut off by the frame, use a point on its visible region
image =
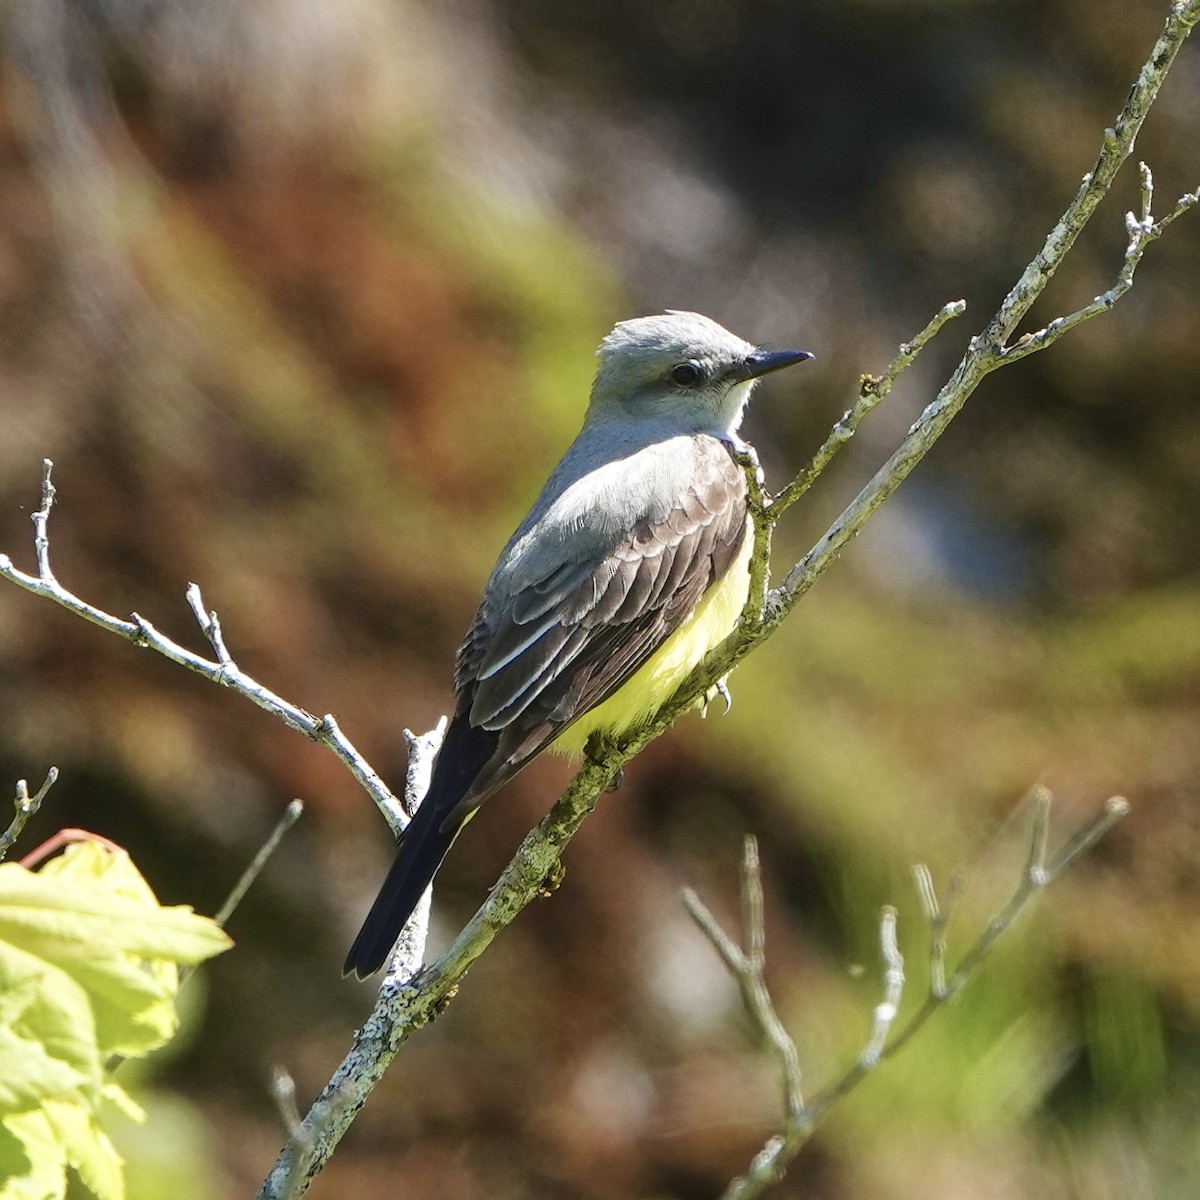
(720, 688)
(615, 782)
(553, 879)
(598, 747)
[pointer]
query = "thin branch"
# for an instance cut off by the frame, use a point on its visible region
(223, 670)
(290, 816)
(770, 1163)
(1033, 879)
(987, 351)
(1035, 864)
(422, 752)
(937, 917)
(761, 525)
(300, 1135)
(41, 541)
(283, 1092)
(405, 1002)
(25, 806)
(746, 966)
(728, 951)
(1115, 808)
(888, 1008)
(1115, 149)
(209, 622)
(872, 389)
(1142, 231)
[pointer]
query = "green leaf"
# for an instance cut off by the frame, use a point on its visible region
(48, 1036)
(88, 969)
(87, 1147)
(71, 914)
(39, 1164)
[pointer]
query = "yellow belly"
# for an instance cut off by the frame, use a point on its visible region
(641, 696)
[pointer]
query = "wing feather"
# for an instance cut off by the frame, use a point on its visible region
(565, 642)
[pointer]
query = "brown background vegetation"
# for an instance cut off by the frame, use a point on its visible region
(301, 299)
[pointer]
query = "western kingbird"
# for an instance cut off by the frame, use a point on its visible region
(630, 567)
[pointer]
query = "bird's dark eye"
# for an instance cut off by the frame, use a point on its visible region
(686, 374)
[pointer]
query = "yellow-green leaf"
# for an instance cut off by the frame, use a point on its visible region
(88, 968)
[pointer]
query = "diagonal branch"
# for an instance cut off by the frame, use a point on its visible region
(872, 389)
(223, 670)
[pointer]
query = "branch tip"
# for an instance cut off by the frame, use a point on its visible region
(1117, 807)
(290, 815)
(1035, 867)
(283, 1092)
(888, 1008)
(25, 807)
(48, 489)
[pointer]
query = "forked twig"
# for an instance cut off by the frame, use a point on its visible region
(25, 806)
(223, 670)
(746, 966)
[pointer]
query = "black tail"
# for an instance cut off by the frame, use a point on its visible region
(422, 846)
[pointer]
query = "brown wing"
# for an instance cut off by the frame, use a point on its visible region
(567, 642)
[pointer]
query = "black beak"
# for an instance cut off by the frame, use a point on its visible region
(763, 362)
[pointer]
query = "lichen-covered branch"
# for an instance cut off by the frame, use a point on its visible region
(405, 1002)
(872, 389)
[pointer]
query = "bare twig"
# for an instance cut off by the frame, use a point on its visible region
(290, 816)
(872, 389)
(988, 350)
(1142, 231)
(770, 1163)
(209, 622)
(283, 1092)
(937, 917)
(300, 1143)
(747, 965)
(1034, 877)
(41, 541)
(25, 806)
(223, 670)
(888, 1008)
(761, 525)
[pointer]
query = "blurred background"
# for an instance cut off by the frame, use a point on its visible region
(302, 300)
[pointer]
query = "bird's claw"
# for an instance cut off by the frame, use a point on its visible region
(720, 688)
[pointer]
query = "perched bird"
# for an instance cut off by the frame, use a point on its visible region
(630, 566)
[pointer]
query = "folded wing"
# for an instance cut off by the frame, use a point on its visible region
(568, 640)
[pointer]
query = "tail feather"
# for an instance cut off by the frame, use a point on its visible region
(423, 846)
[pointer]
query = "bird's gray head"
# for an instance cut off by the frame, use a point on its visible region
(682, 369)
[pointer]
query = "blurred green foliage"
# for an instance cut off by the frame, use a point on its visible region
(308, 314)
